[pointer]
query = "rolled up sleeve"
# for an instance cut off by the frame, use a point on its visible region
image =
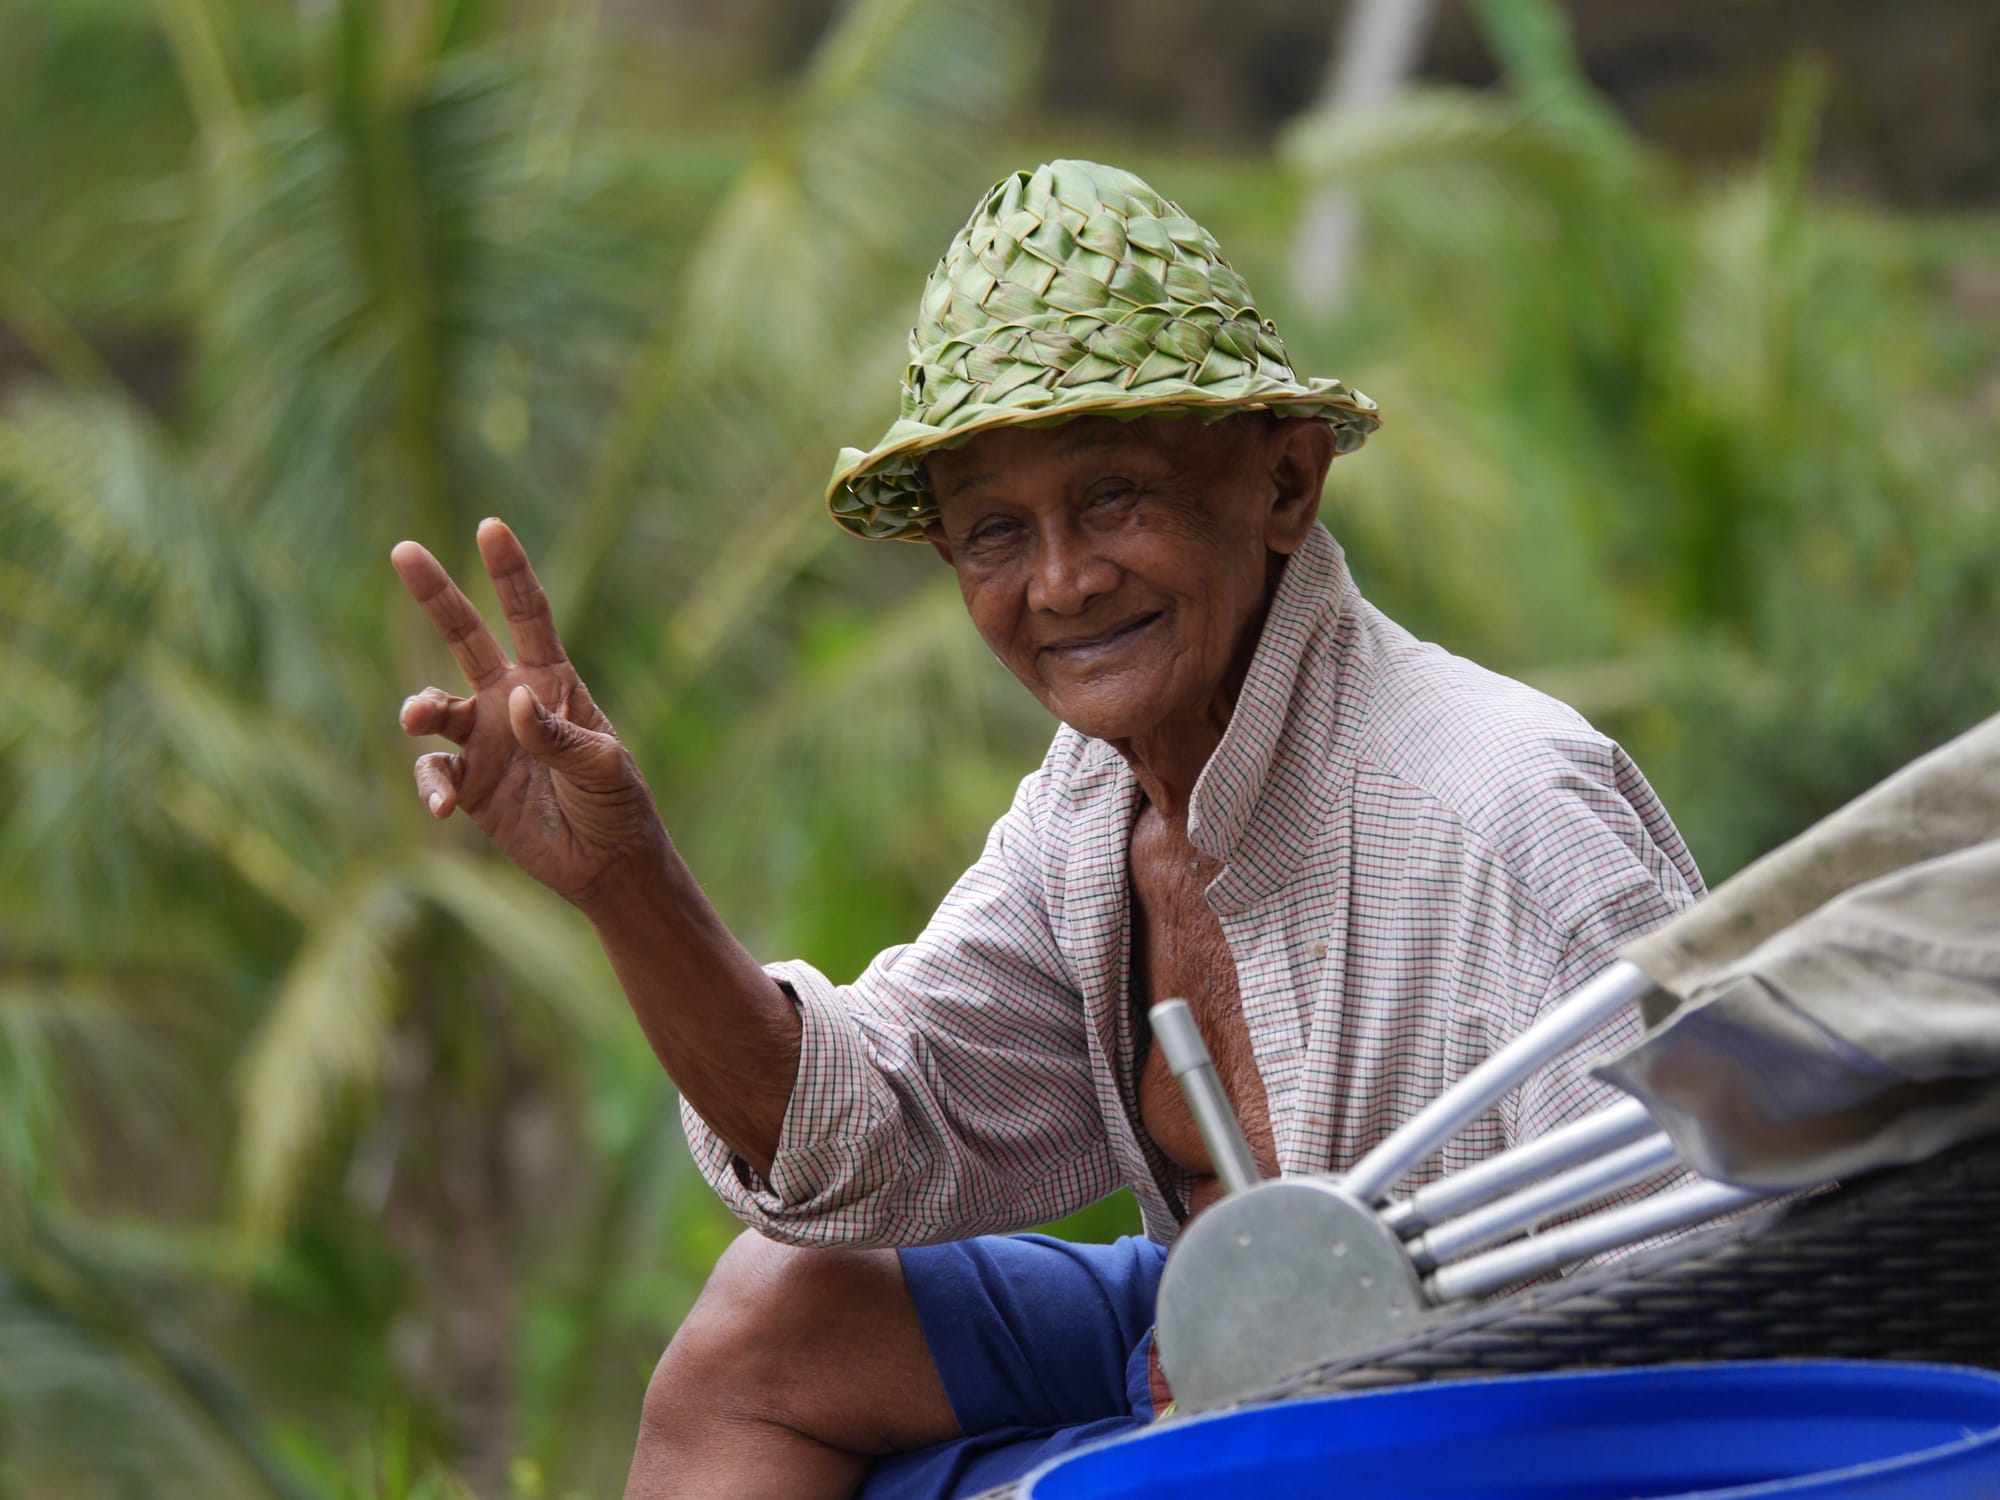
(948, 1091)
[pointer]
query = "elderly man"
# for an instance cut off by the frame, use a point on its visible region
(1364, 862)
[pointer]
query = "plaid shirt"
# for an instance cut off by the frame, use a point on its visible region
(1419, 856)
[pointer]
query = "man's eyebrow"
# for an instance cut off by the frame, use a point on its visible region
(1068, 442)
(969, 483)
(1082, 439)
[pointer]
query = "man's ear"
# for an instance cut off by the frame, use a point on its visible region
(1298, 451)
(934, 534)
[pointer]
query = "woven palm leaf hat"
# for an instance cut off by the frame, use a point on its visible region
(1073, 290)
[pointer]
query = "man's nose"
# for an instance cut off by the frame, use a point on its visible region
(1069, 572)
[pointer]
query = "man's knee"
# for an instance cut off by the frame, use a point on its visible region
(779, 1335)
(721, 1355)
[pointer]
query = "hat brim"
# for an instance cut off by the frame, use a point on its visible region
(878, 493)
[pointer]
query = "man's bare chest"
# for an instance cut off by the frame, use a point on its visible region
(1179, 949)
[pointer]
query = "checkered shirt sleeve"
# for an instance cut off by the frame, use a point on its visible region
(948, 1091)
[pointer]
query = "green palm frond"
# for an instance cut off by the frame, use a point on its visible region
(759, 554)
(897, 738)
(821, 238)
(78, 1418)
(838, 196)
(30, 1094)
(1436, 130)
(1522, 222)
(324, 1037)
(927, 680)
(130, 593)
(106, 511)
(246, 846)
(96, 1399)
(248, 777)
(383, 262)
(202, 49)
(41, 326)
(387, 1467)
(88, 1056)
(535, 935)
(1541, 68)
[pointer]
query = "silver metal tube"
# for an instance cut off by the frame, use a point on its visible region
(1187, 1056)
(1461, 1192)
(1609, 1230)
(1441, 1119)
(1542, 1201)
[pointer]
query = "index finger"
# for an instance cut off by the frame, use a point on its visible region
(472, 645)
(529, 622)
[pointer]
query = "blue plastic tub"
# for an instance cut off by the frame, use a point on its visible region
(1823, 1429)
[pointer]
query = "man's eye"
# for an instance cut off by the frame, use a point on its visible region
(1112, 492)
(992, 530)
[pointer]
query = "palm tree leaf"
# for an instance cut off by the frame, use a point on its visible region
(902, 789)
(1430, 129)
(325, 1035)
(76, 1412)
(87, 1374)
(819, 238)
(540, 940)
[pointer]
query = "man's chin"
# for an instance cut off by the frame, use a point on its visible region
(1102, 717)
(1117, 701)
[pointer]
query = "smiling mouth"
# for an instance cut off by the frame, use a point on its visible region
(1105, 644)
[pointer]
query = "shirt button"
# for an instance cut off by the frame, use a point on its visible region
(1316, 948)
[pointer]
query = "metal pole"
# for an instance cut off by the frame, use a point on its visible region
(1187, 1055)
(1464, 1191)
(1544, 1200)
(1441, 1119)
(1609, 1230)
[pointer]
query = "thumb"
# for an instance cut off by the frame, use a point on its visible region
(557, 743)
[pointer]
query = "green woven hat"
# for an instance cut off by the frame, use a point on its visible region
(1073, 290)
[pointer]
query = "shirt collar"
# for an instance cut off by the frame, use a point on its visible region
(1314, 590)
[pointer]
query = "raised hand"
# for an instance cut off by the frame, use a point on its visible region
(538, 768)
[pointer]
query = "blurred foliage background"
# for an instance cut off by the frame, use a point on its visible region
(330, 1164)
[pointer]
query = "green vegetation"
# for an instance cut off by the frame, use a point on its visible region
(329, 1161)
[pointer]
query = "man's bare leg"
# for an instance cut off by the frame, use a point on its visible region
(795, 1369)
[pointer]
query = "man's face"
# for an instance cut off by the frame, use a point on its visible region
(1120, 569)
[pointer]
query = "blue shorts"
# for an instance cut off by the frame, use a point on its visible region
(1043, 1346)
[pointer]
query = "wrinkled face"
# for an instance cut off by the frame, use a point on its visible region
(1121, 569)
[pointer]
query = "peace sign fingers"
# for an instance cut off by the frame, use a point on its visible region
(538, 768)
(529, 622)
(457, 620)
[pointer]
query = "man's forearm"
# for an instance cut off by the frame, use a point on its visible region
(726, 1032)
